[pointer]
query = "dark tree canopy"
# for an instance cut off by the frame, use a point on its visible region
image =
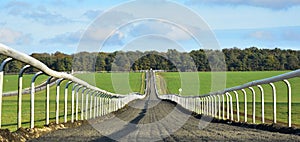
(249, 59)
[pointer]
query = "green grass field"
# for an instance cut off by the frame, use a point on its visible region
(121, 83)
(173, 81)
(10, 82)
(103, 81)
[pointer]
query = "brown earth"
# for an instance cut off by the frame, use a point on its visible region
(162, 85)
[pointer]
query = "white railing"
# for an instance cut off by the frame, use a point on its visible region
(213, 104)
(98, 102)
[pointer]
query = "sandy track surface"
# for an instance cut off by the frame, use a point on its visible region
(152, 119)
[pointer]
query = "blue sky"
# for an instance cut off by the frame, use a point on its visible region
(57, 25)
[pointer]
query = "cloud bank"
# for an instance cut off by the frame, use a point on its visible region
(38, 13)
(9, 36)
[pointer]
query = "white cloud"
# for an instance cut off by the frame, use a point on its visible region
(96, 34)
(69, 38)
(178, 34)
(287, 34)
(9, 36)
(271, 4)
(152, 42)
(39, 13)
(44, 16)
(261, 35)
(157, 27)
(91, 14)
(72, 38)
(101, 34)
(291, 35)
(16, 7)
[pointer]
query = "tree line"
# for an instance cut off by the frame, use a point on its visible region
(235, 59)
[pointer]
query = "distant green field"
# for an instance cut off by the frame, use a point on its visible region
(103, 81)
(173, 82)
(122, 83)
(10, 82)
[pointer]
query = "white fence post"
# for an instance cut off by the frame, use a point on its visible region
(253, 104)
(95, 104)
(274, 101)
(91, 104)
(87, 104)
(20, 90)
(216, 109)
(289, 93)
(231, 106)
(207, 105)
(223, 107)
(227, 101)
(211, 108)
(199, 105)
(82, 103)
(101, 103)
(66, 101)
(245, 105)
(237, 105)
(98, 100)
(219, 106)
(203, 105)
(77, 102)
(1, 84)
(73, 101)
(32, 98)
(48, 100)
(262, 103)
(57, 99)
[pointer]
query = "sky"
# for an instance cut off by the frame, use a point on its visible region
(71, 26)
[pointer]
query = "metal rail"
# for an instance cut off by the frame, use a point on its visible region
(102, 101)
(206, 100)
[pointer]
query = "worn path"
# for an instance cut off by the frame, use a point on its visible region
(151, 119)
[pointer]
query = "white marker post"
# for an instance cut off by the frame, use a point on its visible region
(180, 90)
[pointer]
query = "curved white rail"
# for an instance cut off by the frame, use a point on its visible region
(5, 50)
(101, 102)
(208, 105)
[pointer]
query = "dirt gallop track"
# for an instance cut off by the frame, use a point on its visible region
(152, 119)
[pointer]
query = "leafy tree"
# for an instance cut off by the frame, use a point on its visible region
(249, 59)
